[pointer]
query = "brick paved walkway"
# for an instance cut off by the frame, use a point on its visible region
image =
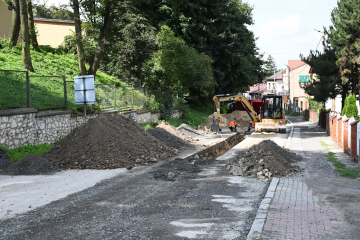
(295, 214)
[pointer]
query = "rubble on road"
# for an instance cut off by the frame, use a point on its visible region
(31, 165)
(181, 169)
(264, 160)
(108, 142)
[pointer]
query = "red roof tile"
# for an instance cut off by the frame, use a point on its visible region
(293, 64)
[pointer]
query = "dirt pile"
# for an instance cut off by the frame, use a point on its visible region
(264, 160)
(175, 131)
(4, 159)
(242, 118)
(189, 131)
(181, 169)
(31, 165)
(171, 136)
(108, 142)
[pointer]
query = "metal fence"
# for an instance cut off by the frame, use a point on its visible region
(14, 89)
(18, 89)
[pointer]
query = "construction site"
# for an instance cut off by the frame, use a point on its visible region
(166, 170)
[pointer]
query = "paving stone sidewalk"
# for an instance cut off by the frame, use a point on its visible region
(295, 213)
(291, 211)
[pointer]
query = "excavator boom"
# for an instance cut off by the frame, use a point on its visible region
(272, 116)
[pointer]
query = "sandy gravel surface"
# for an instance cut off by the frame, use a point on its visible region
(20, 194)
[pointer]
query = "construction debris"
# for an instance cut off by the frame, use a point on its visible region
(264, 160)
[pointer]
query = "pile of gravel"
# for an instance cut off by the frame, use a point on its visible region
(31, 165)
(264, 160)
(169, 139)
(189, 131)
(108, 142)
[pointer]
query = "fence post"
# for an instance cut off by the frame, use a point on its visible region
(65, 92)
(115, 95)
(27, 89)
(132, 96)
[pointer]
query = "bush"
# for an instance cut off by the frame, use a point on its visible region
(350, 109)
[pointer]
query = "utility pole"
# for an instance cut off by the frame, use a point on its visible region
(274, 82)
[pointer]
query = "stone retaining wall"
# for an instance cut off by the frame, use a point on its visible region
(26, 126)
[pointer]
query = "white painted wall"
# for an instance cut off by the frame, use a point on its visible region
(328, 104)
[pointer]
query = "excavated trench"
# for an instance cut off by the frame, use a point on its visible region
(189, 167)
(220, 148)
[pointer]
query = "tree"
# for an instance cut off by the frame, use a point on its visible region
(344, 37)
(25, 36)
(270, 66)
(132, 44)
(33, 37)
(78, 34)
(216, 28)
(326, 82)
(16, 21)
(53, 12)
(178, 68)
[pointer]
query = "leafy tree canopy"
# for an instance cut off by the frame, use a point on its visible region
(61, 12)
(177, 67)
(216, 28)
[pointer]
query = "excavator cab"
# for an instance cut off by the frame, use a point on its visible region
(272, 116)
(271, 107)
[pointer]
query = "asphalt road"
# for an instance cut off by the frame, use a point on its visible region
(134, 205)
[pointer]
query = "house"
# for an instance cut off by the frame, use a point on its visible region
(296, 73)
(256, 91)
(275, 83)
(49, 31)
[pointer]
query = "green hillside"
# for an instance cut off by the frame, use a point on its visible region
(48, 92)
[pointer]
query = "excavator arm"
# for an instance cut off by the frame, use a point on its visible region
(240, 98)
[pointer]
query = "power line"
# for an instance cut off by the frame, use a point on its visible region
(283, 53)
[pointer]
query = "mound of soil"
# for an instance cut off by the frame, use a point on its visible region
(242, 118)
(264, 160)
(174, 131)
(169, 139)
(181, 169)
(31, 165)
(108, 142)
(189, 131)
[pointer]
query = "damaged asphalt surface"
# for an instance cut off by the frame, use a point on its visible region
(135, 205)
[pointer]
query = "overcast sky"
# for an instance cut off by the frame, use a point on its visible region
(285, 28)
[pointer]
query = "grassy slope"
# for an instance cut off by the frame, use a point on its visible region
(45, 92)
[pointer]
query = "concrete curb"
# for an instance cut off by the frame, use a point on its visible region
(287, 145)
(258, 224)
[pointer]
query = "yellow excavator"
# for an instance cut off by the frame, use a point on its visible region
(271, 117)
